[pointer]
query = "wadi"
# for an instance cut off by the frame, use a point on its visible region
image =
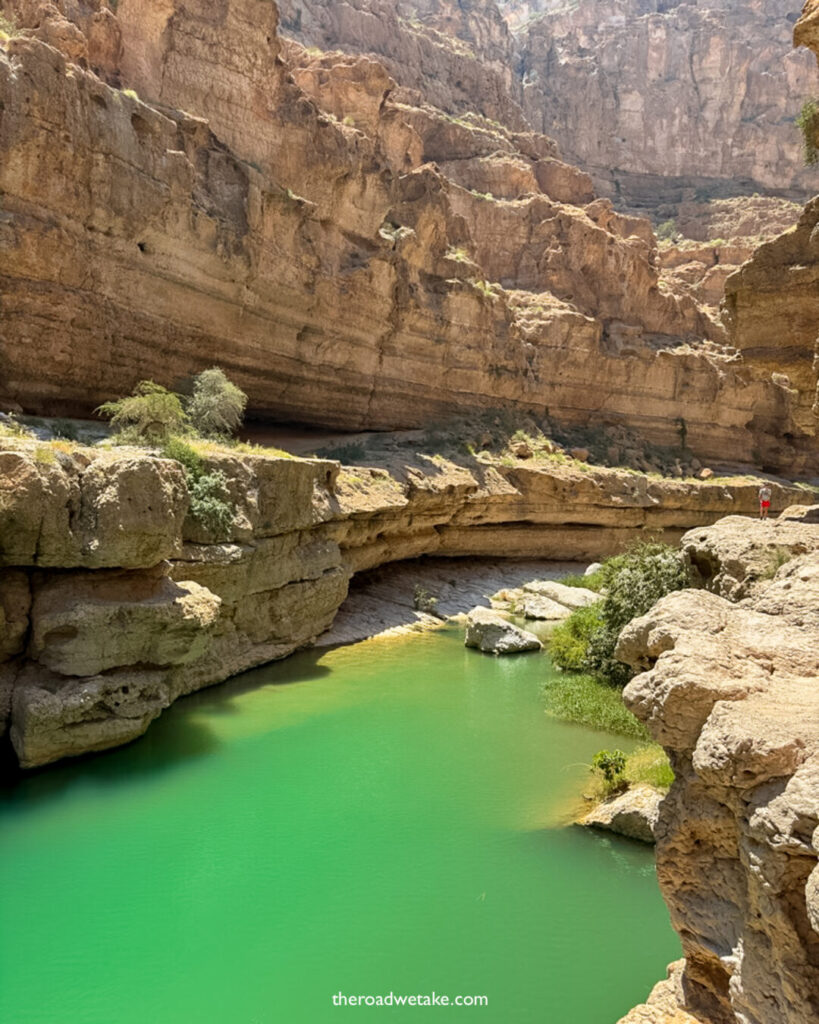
(409, 510)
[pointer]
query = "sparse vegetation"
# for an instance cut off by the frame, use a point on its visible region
(211, 505)
(8, 28)
(778, 557)
(647, 765)
(11, 427)
(667, 231)
(458, 253)
(425, 601)
(216, 407)
(131, 94)
(808, 123)
(151, 415)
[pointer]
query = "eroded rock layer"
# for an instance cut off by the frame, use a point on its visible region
(114, 601)
(352, 256)
(730, 690)
(656, 97)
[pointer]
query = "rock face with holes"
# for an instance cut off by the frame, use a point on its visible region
(730, 691)
(114, 601)
(352, 255)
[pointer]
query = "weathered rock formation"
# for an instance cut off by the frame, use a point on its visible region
(730, 692)
(633, 814)
(490, 632)
(350, 255)
(114, 601)
(659, 98)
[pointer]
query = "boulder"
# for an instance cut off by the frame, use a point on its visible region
(537, 607)
(492, 634)
(54, 717)
(592, 569)
(633, 814)
(570, 597)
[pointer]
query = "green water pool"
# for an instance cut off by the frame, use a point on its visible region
(384, 817)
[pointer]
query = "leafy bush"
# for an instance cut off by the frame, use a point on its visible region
(808, 123)
(217, 406)
(611, 764)
(210, 505)
(632, 583)
(569, 641)
(151, 414)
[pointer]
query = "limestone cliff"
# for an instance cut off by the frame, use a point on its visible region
(352, 256)
(730, 691)
(114, 601)
(656, 97)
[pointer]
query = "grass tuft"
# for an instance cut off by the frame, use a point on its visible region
(584, 700)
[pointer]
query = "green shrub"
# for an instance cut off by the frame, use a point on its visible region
(210, 503)
(569, 641)
(211, 506)
(632, 583)
(216, 407)
(611, 765)
(151, 414)
(808, 123)
(594, 581)
(666, 231)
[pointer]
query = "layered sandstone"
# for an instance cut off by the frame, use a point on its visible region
(657, 99)
(352, 256)
(730, 691)
(114, 601)
(772, 312)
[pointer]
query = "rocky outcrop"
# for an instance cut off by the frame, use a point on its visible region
(664, 1003)
(735, 557)
(352, 256)
(459, 56)
(491, 633)
(730, 692)
(106, 621)
(632, 814)
(660, 99)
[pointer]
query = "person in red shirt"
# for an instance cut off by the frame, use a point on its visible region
(764, 501)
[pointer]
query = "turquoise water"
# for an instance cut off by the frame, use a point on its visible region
(381, 817)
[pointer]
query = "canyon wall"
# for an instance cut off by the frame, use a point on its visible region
(352, 256)
(658, 99)
(114, 601)
(729, 689)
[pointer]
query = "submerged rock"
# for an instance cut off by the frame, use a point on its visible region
(633, 814)
(492, 634)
